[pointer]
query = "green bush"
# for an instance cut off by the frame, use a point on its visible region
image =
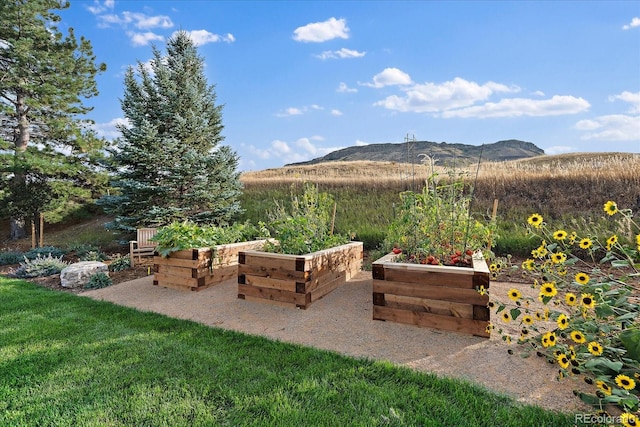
(98, 281)
(40, 267)
(120, 263)
(45, 250)
(10, 257)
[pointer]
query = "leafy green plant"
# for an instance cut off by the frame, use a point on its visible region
(120, 263)
(87, 252)
(587, 321)
(11, 257)
(184, 235)
(45, 250)
(98, 281)
(40, 266)
(435, 225)
(305, 226)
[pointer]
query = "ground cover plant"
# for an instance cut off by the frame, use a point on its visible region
(70, 360)
(586, 322)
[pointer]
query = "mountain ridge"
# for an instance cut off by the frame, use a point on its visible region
(443, 152)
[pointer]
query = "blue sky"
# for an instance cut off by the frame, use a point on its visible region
(299, 79)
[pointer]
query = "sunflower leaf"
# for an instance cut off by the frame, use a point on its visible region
(515, 313)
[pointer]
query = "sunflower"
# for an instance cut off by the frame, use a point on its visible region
(542, 252)
(570, 298)
(572, 237)
(638, 239)
(563, 361)
(506, 317)
(489, 328)
(549, 339)
(595, 348)
(611, 208)
(604, 387)
(572, 352)
(491, 304)
(625, 382)
(585, 243)
(582, 278)
(514, 294)
(529, 264)
(611, 241)
(482, 290)
(629, 420)
(560, 235)
(558, 257)
(528, 320)
(578, 337)
(563, 322)
(535, 220)
(588, 301)
(548, 289)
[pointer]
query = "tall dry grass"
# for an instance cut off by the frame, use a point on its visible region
(551, 184)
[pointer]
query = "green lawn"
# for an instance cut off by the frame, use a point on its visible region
(69, 360)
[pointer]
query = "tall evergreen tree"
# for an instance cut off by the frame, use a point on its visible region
(169, 164)
(48, 155)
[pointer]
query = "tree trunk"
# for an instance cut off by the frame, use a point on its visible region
(21, 140)
(17, 229)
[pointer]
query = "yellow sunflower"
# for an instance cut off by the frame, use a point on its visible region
(489, 328)
(604, 387)
(578, 337)
(535, 220)
(585, 243)
(572, 352)
(588, 301)
(611, 241)
(611, 208)
(558, 257)
(595, 348)
(629, 420)
(528, 320)
(563, 322)
(482, 290)
(563, 361)
(560, 235)
(529, 264)
(582, 278)
(506, 317)
(625, 382)
(548, 289)
(570, 298)
(549, 339)
(514, 294)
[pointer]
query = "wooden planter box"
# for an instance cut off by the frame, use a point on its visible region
(296, 280)
(434, 296)
(198, 268)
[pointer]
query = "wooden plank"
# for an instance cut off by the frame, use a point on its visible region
(321, 281)
(445, 293)
(192, 254)
(448, 323)
(254, 268)
(268, 282)
(327, 287)
(181, 271)
(444, 308)
(430, 277)
(218, 276)
(181, 262)
(273, 294)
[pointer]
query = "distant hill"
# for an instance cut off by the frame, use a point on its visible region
(414, 152)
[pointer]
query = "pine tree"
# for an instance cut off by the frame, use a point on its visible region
(169, 164)
(48, 155)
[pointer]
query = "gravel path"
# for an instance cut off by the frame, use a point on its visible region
(342, 322)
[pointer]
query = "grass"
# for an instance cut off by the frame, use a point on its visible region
(70, 360)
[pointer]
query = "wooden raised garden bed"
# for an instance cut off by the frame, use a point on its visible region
(434, 296)
(199, 268)
(296, 280)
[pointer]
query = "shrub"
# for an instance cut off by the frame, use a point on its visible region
(40, 267)
(120, 263)
(45, 250)
(586, 317)
(7, 258)
(98, 281)
(305, 226)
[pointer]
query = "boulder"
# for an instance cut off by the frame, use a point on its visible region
(78, 274)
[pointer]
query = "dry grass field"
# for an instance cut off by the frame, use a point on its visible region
(552, 184)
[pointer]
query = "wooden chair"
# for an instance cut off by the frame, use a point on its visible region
(142, 246)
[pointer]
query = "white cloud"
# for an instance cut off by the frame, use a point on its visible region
(630, 97)
(340, 54)
(295, 111)
(306, 148)
(635, 22)
(322, 31)
(336, 112)
(98, 7)
(202, 37)
(109, 129)
(614, 127)
(389, 77)
(343, 88)
(138, 20)
(361, 143)
(143, 39)
(516, 107)
(559, 149)
(436, 98)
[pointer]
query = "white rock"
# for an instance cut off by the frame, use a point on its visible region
(77, 275)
